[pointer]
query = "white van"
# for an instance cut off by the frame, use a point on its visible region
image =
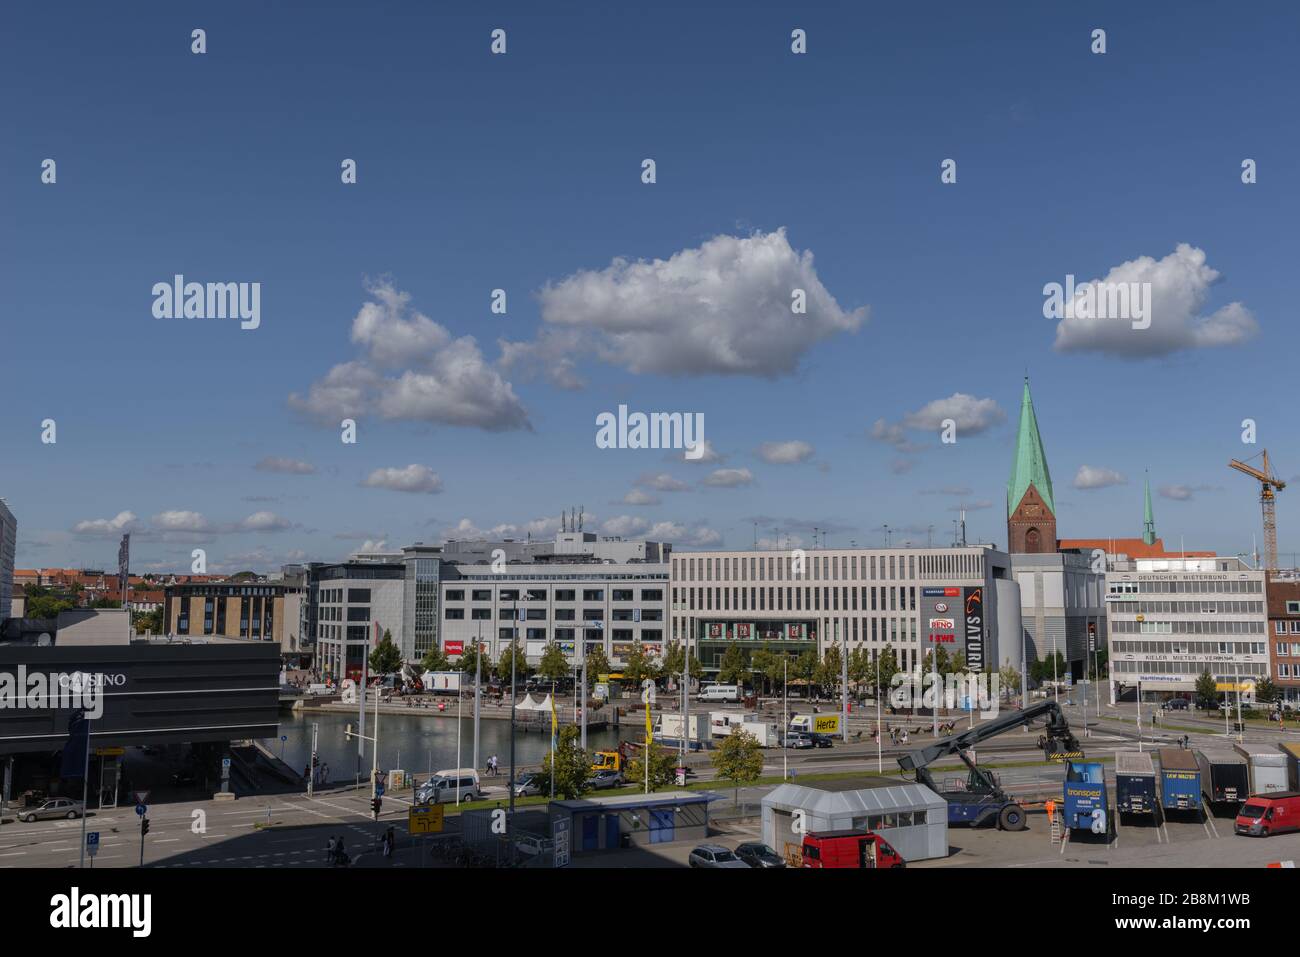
(720, 693)
(441, 788)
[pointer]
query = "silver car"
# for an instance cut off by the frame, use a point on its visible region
(605, 779)
(714, 855)
(55, 807)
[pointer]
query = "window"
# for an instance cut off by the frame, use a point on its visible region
(593, 614)
(359, 614)
(481, 594)
(535, 614)
(453, 594)
(361, 595)
(1293, 608)
(652, 594)
(621, 594)
(481, 614)
(593, 594)
(455, 614)
(537, 594)
(565, 614)
(509, 594)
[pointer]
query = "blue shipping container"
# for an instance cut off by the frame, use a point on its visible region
(1180, 780)
(1085, 797)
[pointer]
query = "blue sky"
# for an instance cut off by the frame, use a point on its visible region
(523, 172)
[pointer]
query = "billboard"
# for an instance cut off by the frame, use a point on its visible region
(974, 600)
(454, 647)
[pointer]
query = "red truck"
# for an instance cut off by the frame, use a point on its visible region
(857, 849)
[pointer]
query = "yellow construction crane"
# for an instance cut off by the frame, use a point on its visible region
(1269, 485)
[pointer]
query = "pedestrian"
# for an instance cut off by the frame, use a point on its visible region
(325, 774)
(331, 849)
(388, 842)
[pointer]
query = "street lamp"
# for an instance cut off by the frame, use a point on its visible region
(514, 654)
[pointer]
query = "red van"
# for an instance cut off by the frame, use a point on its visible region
(856, 849)
(1265, 814)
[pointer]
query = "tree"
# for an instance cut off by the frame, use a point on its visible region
(828, 670)
(468, 655)
(944, 666)
(663, 768)
(738, 759)
(862, 670)
(46, 606)
(958, 665)
(572, 767)
(886, 668)
(1049, 669)
(1207, 691)
(106, 603)
(513, 653)
(1266, 692)
(386, 658)
(553, 664)
(638, 666)
(761, 664)
(597, 663)
(435, 660)
(733, 669)
(147, 622)
(805, 666)
(1010, 679)
(1102, 663)
(675, 660)
(773, 666)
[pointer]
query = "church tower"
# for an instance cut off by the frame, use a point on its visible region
(1031, 508)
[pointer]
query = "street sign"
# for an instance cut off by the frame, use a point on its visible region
(92, 843)
(284, 737)
(140, 809)
(110, 752)
(141, 797)
(424, 819)
(560, 837)
(379, 790)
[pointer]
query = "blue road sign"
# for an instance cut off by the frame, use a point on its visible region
(140, 809)
(92, 839)
(284, 737)
(379, 790)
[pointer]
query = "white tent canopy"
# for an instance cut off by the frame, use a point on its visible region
(528, 704)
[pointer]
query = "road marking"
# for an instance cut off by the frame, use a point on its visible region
(14, 854)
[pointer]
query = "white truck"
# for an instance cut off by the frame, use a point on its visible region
(766, 733)
(719, 693)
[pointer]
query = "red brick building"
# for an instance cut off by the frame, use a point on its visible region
(1284, 637)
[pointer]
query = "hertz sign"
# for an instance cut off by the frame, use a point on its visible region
(974, 602)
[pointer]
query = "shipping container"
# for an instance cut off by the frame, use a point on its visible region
(1292, 752)
(1135, 783)
(1180, 780)
(1267, 768)
(1225, 776)
(1085, 797)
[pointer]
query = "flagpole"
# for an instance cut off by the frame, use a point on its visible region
(85, 793)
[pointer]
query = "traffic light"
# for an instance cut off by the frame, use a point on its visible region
(144, 826)
(375, 805)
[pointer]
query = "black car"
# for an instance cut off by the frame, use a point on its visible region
(1176, 704)
(756, 854)
(822, 740)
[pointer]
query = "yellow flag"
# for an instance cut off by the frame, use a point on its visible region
(649, 732)
(553, 721)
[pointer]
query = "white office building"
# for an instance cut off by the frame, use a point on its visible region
(1172, 619)
(910, 599)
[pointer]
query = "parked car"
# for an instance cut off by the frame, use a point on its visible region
(54, 807)
(530, 846)
(1265, 814)
(529, 784)
(1176, 704)
(799, 740)
(757, 854)
(714, 855)
(184, 779)
(605, 779)
(822, 740)
(446, 786)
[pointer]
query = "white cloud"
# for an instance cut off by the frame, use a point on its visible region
(729, 478)
(709, 456)
(721, 308)
(784, 453)
(436, 378)
(624, 525)
(1089, 477)
(1180, 284)
(182, 521)
(699, 536)
(1185, 493)
(466, 530)
(894, 435)
(370, 545)
(265, 522)
(663, 482)
(971, 506)
(412, 478)
(289, 466)
(971, 415)
(638, 497)
(119, 524)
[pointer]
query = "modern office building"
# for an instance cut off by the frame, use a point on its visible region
(8, 545)
(604, 592)
(262, 610)
(793, 600)
(1172, 619)
(1284, 636)
(348, 603)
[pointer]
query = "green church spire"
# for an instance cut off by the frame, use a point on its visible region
(1148, 518)
(1029, 467)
